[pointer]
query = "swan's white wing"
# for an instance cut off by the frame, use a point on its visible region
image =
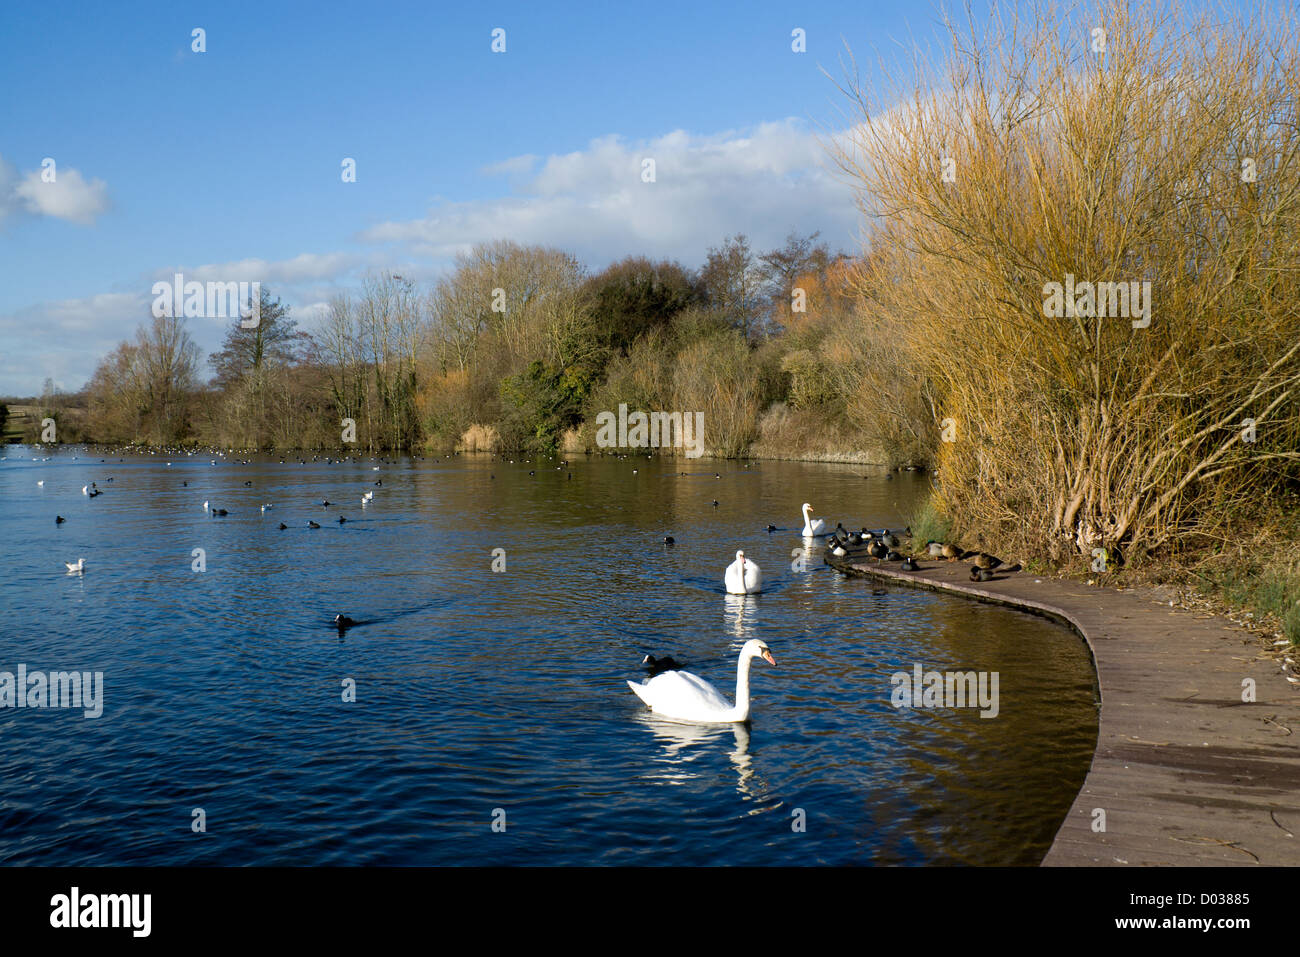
(734, 579)
(681, 694)
(753, 577)
(640, 690)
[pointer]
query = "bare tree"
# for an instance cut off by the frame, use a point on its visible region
(732, 279)
(169, 360)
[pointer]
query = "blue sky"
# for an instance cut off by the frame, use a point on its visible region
(226, 164)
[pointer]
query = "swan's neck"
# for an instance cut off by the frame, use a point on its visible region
(742, 688)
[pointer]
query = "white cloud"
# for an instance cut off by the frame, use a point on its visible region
(302, 268)
(85, 315)
(514, 166)
(64, 339)
(68, 197)
(593, 202)
(309, 314)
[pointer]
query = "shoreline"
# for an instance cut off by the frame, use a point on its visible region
(828, 458)
(1184, 771)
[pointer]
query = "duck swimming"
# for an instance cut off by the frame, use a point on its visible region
(657, 666)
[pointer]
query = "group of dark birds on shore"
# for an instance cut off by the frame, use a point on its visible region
(883, 547)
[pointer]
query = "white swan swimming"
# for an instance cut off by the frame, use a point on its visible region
(743, 577)
(812, 527)
(687, 697)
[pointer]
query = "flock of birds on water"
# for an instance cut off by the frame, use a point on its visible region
(670, 691)
(93, 490)
(680, 695)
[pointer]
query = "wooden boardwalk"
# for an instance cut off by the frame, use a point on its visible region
(1185, 771)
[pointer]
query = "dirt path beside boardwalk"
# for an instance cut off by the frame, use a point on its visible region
(1186, 772)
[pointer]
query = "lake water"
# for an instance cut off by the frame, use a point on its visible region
(487, 696)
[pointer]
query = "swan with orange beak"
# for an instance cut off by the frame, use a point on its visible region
(683, 696)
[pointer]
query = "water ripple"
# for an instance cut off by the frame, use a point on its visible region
(485, 697)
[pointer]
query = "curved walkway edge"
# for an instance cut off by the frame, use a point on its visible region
(1185, 771)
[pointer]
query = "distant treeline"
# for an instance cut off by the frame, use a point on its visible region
(517, 348)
